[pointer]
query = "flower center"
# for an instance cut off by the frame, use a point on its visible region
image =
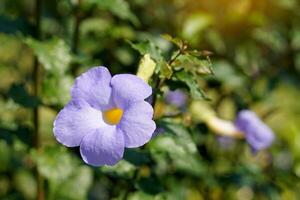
(113, 116)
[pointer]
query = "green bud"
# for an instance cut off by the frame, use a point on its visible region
(146, 68)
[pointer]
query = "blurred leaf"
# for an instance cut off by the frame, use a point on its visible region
(192, 84)
(120, 8)
(139, 195)
(56, 89)
(5, 155)
(54, 163)
(53, 54)
(195, 24)
(25, 183)
(123, 169)
(76, 187)
(137, 157)
(13, 26)
(272, 38)
(178, 144)
(226, 73)
(20, 95)
(55, 57)
(150, 185)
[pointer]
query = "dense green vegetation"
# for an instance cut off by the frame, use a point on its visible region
(228, 55)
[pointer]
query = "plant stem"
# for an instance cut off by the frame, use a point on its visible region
(76, 33)
(76, 28)
(36, 88)
(159, 83)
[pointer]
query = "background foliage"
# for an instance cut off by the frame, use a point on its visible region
(255, 65)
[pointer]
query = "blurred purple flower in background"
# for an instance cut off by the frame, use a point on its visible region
(225, 142)
(106, 114)
(177, 98)
(258, 135)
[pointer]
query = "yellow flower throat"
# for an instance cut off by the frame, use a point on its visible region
(113, 116)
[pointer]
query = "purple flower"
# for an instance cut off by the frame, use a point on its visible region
(225, 142)
(177, 98)
(106, 114)
(258, 135)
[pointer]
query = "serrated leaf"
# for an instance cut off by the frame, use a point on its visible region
(53, 54)
(165, 69)
(192, 84)
(178, 42)
(193, 64)
(148, 47)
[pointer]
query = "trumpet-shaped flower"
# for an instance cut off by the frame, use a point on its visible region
(258, 135)
(105, 115)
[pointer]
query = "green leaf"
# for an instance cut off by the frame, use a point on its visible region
(137, 157)
(193, 64)
(192, 84)
(195, 24)
(177, 41)
(119, 8)
(20, 95)
(76, 187)
(144, 196)
(54, 163)
(150, 185)
(53, 54)
(56, 89)
(25, 183)
(226, 73)
(13, 26)
(122, 169)
(148, 47)
(165, 69)
(177, 143)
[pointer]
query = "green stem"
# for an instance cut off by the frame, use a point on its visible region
(78, 18)
(36, 88)
(160, 82)
(76, 33)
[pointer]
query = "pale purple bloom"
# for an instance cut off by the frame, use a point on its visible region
(225, 142)
(105, 115)
(258, 135)
(177, 98)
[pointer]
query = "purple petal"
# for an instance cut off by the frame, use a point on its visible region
(129, 88)
(258, 135)
(94, 87)
(104, 146)
(177, 98)
(137, 124)
(74, 121)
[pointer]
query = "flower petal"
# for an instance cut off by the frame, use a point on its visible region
(258, 135)
(75, 120)
(94, 87)
(137, 124)
(128, 88)
(104, 146)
